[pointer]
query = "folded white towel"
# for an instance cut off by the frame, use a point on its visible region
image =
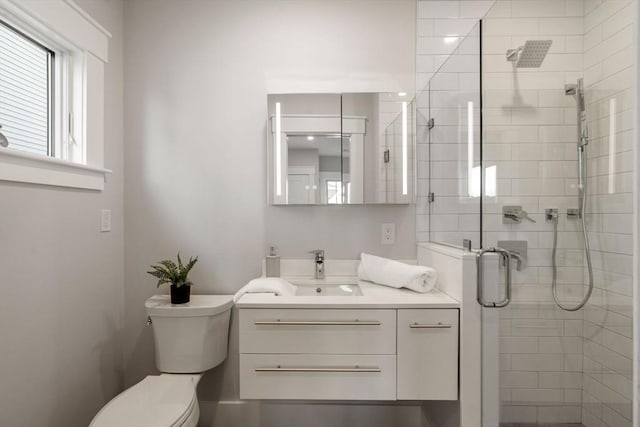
(274, 285)
(396, 274)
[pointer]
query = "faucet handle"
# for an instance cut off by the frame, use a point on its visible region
(319, 263)
(525, 215)
(515, 215)
(516, 256)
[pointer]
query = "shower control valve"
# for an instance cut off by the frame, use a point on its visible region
(517, 252)
(551, 215)
(515, 215)
(573, 213)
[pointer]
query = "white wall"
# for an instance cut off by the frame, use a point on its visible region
(197, 79)
(61, 313)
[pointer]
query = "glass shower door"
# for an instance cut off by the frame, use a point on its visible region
(532, 349)
(549, 157)
(555, 183)
(455, 146)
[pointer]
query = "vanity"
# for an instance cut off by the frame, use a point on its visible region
(343, 339)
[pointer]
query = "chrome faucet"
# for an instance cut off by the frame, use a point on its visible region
(518, 258)
(319, 260)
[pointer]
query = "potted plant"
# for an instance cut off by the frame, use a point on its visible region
(168, 271)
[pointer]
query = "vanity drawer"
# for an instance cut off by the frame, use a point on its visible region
(322, 377)
(428, 354)
(317, 331)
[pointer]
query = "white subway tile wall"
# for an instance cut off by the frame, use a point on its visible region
(555, 366)
(609, 83)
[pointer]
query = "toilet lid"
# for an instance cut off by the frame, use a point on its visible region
(157, 401)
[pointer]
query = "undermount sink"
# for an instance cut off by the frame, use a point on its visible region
(328, 290)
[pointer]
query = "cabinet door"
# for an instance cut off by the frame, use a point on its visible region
(317, 331)
(317, 377)
(427, 354)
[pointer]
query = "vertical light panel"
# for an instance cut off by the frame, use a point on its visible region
(612, 146)
(473, 177)
(278, 151)
(474, 191)
(490, 181)
(405, 154)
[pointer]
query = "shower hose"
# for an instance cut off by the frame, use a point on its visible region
(583, 205)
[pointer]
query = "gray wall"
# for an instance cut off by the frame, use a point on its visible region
(301, 157)
(196, 87)
(62, 308)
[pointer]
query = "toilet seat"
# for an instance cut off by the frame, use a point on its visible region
(157, 401)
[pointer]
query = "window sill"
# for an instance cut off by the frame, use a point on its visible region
(17, 166)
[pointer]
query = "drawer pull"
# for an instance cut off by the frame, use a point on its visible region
(354, 369)
(318, 322)
(429, 326)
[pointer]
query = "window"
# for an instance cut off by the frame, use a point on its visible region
(26, 87)
(334, 192)
(52, 57)
(335, 195)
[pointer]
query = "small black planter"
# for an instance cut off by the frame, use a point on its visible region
(180, 295)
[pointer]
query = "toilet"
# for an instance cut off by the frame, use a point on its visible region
(190, 339)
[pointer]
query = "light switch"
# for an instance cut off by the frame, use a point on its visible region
(105, 220)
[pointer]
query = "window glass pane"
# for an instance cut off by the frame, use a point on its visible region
(334, 192)
(24, 92)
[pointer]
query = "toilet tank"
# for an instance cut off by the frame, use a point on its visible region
(191, 337)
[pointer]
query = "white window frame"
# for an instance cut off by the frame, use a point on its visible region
(80, 45)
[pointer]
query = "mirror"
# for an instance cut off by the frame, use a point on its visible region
(334, 149)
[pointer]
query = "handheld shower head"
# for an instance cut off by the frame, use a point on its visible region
(531, 55)
(577, 91)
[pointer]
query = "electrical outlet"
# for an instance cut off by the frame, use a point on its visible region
(105, 220)
(388, 233)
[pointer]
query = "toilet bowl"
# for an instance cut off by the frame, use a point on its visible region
(158, 400)
(189, 340)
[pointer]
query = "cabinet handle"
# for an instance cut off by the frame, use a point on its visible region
(354, 369)
(429, 326)
(318, 322)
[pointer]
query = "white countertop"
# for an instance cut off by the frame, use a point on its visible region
(373, 296)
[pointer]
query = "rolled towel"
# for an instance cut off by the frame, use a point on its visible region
(274, 285)
(396, 274)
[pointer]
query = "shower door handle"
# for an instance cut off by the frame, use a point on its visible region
(506, 261)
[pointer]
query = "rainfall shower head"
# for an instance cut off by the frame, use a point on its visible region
(530, 55)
